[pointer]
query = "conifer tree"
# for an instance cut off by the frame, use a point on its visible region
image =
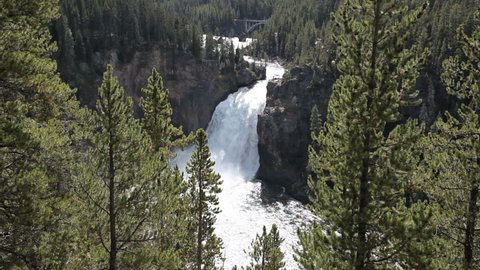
(266, 253)
(196, 42)
(172, 210)
(65, 41)
(34, 146)
(170, 218)
(453, 157)
(231, 57)
(204, 185)
(115, 186)
(210, 47)
(157, 120)
(315, 120)
(361, 170)
(238, 56)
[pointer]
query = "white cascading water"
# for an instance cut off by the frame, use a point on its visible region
(233, 141)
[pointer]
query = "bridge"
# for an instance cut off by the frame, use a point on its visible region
(250, 25)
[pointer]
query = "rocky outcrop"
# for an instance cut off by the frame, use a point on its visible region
(196, 87)
(245, 77)
(284, 128)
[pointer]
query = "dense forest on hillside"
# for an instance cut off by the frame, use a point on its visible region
(301, 33)
(307, 27)
(95, 187)
(304, 34)
(90, 33)
(87, 26)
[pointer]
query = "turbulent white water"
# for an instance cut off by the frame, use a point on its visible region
(236, 42)
(233, 142)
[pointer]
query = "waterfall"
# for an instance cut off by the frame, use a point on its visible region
(232, 131)
(233, 141)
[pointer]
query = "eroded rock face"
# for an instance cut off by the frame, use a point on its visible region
(196, 87)
(245, 77)
(284, 128)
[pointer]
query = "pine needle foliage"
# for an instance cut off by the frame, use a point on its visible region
(34, 140)
(453, 156)
(362, 170)
(265, 251)
(117, 188)
(157, 119)
(172, 206)
(204, 186)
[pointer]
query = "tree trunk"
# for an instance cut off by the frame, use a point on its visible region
(200, 225)
(111, 206)
(362, 251)
(470, 230)
(264, 250)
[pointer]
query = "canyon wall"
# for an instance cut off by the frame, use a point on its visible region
(196, 86)
(284, 127)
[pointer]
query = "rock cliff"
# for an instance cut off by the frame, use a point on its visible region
(196, 87)
(284, 128)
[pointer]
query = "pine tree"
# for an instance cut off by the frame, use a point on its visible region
(34, 142)
(172, 211)
(116, 186)
(315, 121)
(454, 159)
(157, 119)
(238, 56)
(231, 57)
(362, 170)
(170, 218)
(266, 253)
(66, 42)
(204, 185)
(210, 47)
(196, 42)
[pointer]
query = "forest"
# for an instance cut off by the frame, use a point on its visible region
(393, 166)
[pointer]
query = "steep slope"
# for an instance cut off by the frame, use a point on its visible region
(284, 128)
(196, 86)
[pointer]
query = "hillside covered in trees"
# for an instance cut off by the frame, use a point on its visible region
(301, 33)
(393, 161)
(86, 27)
